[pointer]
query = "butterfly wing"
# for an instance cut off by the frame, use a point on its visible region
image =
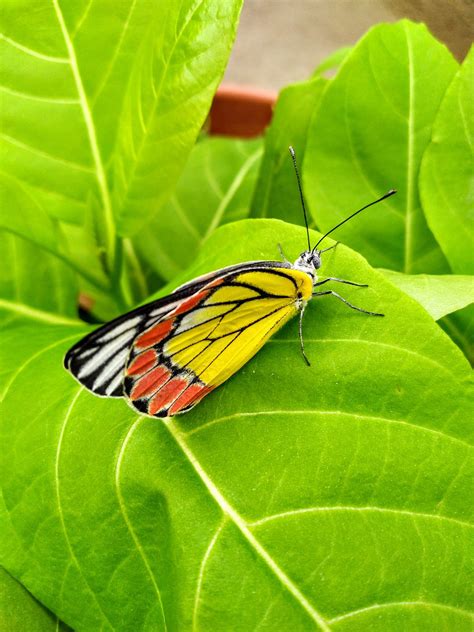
(98, 360)
(198, 345)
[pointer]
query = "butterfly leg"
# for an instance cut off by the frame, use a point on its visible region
(340, 281)
(282, 254)
(301, 336)
(359, 309)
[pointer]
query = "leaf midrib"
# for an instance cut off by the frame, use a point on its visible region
(157, 91)
(407, 263)
(242, 526)
(38, 314)
(93, 141)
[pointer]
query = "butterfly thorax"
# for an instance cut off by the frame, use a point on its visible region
(309, 261)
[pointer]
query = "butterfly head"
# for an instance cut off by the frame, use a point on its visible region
(309, 261)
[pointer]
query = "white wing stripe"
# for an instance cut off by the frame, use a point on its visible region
(125, 326)
(111, 368)
(108, 350)
(115, 383)
(160, 311)
(86, 353)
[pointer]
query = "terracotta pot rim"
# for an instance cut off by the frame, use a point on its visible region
(241, 111)
(247, 92)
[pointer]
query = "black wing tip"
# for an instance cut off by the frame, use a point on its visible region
(141, 405)
(67, 360)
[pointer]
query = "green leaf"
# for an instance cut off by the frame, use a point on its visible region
(19, 611)
(95, 102)
(447, 174)
(369, 134)
(460, 326)
(62, 100)
(215, 187)
(23, 216)
(332, 61)
(439, 295)
(23, 290)
(276, 194)
(331, 497)
(181, 61)
(35, 287)
(63, 79)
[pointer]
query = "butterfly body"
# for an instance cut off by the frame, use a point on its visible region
(166, 356)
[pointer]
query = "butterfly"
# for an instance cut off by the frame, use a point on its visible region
(164, 357)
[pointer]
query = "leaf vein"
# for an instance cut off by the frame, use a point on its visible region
(44, 154)
(327, 412)
(89, 122)
(352, 508)
(394, 604)
(202, 569)
(58, 501)
(242, 526)
(30, 359)
(231, 191)
(34, 53)
(35, 97)
(126, 519)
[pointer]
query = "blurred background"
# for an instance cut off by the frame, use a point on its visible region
(276, 41)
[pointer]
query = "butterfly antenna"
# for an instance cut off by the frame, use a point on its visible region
(293, 157)
(388, 194)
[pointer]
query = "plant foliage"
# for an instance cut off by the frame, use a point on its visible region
(330, 497)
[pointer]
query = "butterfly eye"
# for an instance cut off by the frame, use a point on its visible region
(316, 260)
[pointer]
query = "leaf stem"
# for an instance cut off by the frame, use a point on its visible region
(136, 267)
(237, 181)
(120, 286)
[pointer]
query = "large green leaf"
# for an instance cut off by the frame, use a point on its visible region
(369, 134)
(179, 66)
(215, 187)
(331, 497)
(19, 611)
(276, 194)
(102, 102)
(439, 294)
(447, 173)
(62, 98)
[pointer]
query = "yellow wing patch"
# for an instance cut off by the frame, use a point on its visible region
(244, 346)
(276, 284)
(239, 293)
(215, 341)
